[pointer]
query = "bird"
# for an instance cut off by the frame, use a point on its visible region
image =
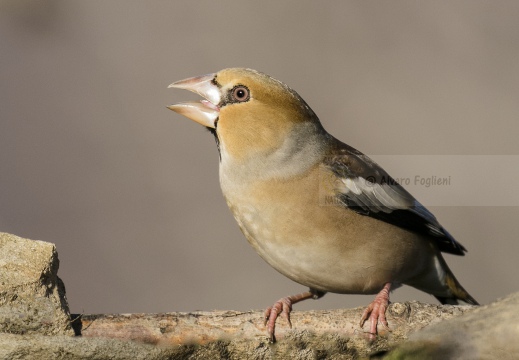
(317, 210)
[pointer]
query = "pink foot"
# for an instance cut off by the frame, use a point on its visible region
(376, 311)
(284, 306)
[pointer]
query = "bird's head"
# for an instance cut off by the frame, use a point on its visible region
(249, 112)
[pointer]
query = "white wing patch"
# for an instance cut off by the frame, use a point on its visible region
(375, 197)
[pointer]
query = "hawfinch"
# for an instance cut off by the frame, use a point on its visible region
(317, 210)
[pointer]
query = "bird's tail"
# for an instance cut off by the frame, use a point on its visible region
(456, 292)
(440, 282)
(459, 294)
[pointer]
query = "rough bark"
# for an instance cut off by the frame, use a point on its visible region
(321, 334)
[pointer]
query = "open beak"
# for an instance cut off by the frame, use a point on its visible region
(204, 112)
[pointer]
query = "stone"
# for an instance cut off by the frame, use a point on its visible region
(32, 296)
(488, 332)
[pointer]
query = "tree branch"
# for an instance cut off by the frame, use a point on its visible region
(332, 331)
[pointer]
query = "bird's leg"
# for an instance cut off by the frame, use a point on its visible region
(284, 306)
(376, 311)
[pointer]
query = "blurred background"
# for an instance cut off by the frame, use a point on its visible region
(91, 159)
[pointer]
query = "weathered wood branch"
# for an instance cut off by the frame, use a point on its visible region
(326, 332)
(203, 326)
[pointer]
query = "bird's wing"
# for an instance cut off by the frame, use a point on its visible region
(364, 187)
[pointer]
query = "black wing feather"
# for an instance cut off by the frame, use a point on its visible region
(370, 191)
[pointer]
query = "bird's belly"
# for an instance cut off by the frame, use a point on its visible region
(342, 254)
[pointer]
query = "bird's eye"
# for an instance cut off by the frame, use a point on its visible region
(240, 93)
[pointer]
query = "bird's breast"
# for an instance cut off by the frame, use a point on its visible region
(318, 244)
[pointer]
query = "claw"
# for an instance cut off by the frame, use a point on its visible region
(376, 312)
(283, 306)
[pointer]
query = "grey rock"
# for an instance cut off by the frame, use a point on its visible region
(32, 297)
(489, 332)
